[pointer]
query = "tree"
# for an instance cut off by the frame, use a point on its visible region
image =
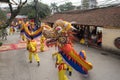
(54, 7)
(43, 10)
(78, 7)
(85, 4)
(62, 7)
(28, 10)
(14, 12)
(2, 16)
(66, 7)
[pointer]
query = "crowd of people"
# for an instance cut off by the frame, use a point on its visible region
(89, 36)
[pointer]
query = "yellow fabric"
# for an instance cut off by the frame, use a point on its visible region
(62, 73)
(67, 26)
(42, 40)
(59, 58)
(25, 28)
(82, 41)
(11, 31)
(62, 76)
(64, 24)
(27, 43)
(54, 54)
(69, 68)
(32, 46)
(65, 77)
(35, 56)
(85, 64)
(42, 47)
(23, 37)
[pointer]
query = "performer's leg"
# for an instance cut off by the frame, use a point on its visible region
(42, 47)
(37, 58)
(70, 70)
(30, 57)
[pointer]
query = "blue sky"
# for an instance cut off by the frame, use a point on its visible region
(75, 2)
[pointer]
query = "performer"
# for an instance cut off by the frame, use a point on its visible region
(42, 45)
(10, 30)
(22, 36)
(32, 48)
(62, 66)
(62, 71)
(58, 62)
(58, 58)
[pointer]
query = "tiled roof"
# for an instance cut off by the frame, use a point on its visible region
(109, 16)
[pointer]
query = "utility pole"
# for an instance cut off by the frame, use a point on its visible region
(36, 13)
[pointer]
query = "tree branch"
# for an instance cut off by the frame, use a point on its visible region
(14, 2)
(15, 12)
(20, 2)
(11, 9)
(24, 2)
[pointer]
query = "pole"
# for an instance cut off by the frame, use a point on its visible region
(36, 12)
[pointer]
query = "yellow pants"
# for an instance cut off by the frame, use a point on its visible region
(82, 41)
(69, 68)
(23, 37)
(10, 33)
(35, 56)
(62, 75)
(42, 47)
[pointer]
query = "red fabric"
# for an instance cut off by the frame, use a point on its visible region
(32, 20)
(61, 67)
(66, 48)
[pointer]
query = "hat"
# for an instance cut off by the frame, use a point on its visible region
(32, 21)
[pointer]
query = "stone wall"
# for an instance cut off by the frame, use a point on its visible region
(109, 35)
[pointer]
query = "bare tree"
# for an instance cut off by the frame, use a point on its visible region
(14, 12)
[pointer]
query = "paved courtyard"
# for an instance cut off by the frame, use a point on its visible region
(14, 64)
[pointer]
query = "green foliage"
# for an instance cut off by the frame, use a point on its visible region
(69, 6)
(29, 9)
(2, 15)
(78, 7)
(31, 14)
(0, 43)
(54, 7)
(63, 7)
(85, 4)
(43, 10)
